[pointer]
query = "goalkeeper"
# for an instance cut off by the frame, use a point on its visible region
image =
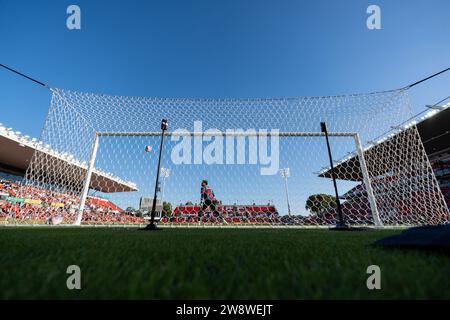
(207, 199)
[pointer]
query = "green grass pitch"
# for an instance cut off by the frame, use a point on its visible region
(124, 263)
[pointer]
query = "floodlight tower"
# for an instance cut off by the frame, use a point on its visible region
(152, 226)
(165, 172)
(286, 173)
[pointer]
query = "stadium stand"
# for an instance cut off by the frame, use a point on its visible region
(43, 204)
(441, 168)
(433, 130)
(227, 214)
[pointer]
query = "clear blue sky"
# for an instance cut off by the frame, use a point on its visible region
(217, 49)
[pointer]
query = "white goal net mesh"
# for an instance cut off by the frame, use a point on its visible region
(265, 162)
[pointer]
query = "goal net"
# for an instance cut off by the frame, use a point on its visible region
(230, 161)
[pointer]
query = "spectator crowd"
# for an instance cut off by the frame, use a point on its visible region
(39, 206)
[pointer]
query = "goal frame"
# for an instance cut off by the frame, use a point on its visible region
(358, 146)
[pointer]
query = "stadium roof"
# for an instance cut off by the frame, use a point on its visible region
(433, 127)
(17, 151)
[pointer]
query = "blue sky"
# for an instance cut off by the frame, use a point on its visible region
(218, 49)
(211, 48)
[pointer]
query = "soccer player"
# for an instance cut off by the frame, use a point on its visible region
(207, 199)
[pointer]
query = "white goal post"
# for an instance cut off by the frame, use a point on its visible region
(355, 136)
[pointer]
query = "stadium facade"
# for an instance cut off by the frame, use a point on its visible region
(433, 128)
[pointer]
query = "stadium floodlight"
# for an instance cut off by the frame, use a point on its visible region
(164, 125)
(286, 173)
(165, 172)
(152, 226)
(429, 114)
(341, 224)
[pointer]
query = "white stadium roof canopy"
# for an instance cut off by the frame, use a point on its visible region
(432, 124)
(17, 151)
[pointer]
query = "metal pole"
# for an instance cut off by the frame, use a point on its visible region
(87, 181)
(152, 226)
(323, 126)
(287, 194)
(165, 176)
(162, 189)
(166, 173)
(367, 182)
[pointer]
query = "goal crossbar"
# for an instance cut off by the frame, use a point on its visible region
(234, 133)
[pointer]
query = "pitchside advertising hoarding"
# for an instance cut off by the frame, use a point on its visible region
(146, 204)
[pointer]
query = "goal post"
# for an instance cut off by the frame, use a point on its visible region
(367, 182)
(355, 136)
(87, 180)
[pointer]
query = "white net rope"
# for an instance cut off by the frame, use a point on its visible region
(265, 162)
